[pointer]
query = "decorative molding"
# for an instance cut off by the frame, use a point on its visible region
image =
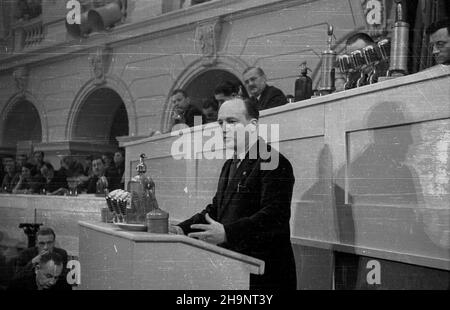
(207, 40)
(20, 75)
(100, 61)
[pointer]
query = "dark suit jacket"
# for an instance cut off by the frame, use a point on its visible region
(271, 97)
(255, 212)
(112, 177)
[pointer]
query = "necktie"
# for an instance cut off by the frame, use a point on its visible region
(233, 168)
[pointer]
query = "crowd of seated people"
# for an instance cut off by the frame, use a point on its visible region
(38, 176)
(255, 87)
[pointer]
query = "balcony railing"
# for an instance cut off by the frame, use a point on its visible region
(27, 35)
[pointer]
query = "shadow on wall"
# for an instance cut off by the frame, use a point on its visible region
(8, 255)
(374, 198)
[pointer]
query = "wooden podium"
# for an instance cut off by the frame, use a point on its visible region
(112, 258)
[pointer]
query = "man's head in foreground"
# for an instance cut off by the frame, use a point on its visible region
(238, 119)
(440, 41)
(48, 270)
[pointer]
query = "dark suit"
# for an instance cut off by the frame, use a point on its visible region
(271, 97)
(255, 210)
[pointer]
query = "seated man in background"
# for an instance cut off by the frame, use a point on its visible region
(109, 178)
(119, 163)
(266, 96)
(21, 159)
(38, 161)
(210, 109)
(26, 182)
(52, 182)
(183, 111)
(440, 40)
(225, 91)
(45, 243)
(47, 274)
(10, 178)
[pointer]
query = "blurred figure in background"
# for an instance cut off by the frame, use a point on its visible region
(440, 41)
(37, 161)
(210, 109)
(11, 178)
(266, 96)
(26, 183)
(52, 182)
(21, 159)
(119, 162)
(108, 159)
(183, 111)
(225, 91)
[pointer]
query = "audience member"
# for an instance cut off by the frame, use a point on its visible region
(267, 96)
(210, 109)
(87, 166)
(119, 162)
(45, 243)
(108, 159)
(183, 111)
(11, 178)
(440, 41)
(38, 160)
(26, 182)
(71, 167)
(51, 181)
(21, 159)
(225, 91)
(109, 178)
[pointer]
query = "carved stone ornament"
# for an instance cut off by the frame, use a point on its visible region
(20, 76)
(207, 38)
(99, 62)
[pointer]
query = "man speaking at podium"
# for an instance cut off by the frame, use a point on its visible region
(250, 211)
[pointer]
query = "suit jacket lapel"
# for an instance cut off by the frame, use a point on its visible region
(242, 173)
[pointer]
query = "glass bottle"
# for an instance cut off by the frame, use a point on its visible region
(142, 190)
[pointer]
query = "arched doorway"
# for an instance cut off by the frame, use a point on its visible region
(101, 118)
(21, 123)
(202, 86)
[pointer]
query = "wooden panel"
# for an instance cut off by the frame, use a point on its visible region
(106, 261)
(361, 272)
(111, 258)
(401, 174)
(314, 268)
(187, 268)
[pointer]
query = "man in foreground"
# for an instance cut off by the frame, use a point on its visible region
(251, 209)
